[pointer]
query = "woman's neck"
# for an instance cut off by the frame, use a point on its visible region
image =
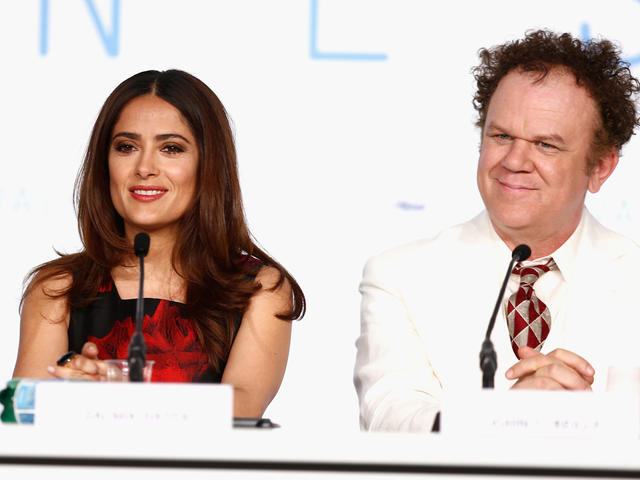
(161, 280)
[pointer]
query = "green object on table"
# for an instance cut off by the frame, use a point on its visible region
(6, 399)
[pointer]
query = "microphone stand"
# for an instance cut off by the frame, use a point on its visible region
(137, 348)
(488, 358)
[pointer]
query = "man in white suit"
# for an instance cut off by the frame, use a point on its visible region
(554, 113)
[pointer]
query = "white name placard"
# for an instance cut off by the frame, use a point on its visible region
(196, 407)
(541, 413)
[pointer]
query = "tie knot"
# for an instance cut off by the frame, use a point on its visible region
(530, 273)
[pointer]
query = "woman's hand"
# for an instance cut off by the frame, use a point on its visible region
(82, 366)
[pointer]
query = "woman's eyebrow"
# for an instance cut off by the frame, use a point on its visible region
(167, 136)
(162, 136)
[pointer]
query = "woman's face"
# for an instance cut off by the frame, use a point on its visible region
(153, 161)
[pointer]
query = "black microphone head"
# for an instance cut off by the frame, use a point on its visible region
(141, 245)
(521, 252)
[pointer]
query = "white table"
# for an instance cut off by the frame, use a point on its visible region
(304, 453)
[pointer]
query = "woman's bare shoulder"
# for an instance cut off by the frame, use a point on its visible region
(270, 277)
(44, 320)
(45, 297)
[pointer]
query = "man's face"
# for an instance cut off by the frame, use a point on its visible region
(532, 172)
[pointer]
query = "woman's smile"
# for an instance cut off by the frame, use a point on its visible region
(147, 193)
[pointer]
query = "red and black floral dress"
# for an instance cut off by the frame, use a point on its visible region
(170, 337)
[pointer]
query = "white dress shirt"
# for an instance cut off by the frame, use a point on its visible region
(426, 307)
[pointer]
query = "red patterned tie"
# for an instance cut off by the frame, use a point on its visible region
(528, 318)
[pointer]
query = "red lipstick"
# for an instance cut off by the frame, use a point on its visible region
(147, 193)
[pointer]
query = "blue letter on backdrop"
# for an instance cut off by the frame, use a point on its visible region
(110, 40)
(44, 26)
(585, 33)
(316, 55)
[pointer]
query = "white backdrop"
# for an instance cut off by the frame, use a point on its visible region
(354, 129)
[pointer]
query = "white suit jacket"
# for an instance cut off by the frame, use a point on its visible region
(426, 306)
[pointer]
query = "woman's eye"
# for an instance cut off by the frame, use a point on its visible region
(124, 147)
(172, 149)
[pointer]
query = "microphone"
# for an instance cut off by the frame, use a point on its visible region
(520, 253)
(141, 245)
(488, 360)
(137, 347)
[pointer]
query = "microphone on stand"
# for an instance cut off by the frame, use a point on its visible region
(137, 347)
(488, 360)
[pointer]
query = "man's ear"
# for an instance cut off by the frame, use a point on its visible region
(605, 167)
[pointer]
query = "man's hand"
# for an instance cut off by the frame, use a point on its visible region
(558, 370)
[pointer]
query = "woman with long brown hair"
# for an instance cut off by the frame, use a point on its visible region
(161, 160)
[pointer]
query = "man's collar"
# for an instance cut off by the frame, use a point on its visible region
(565, 256)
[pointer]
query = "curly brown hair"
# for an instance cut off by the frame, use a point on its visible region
(596, 65)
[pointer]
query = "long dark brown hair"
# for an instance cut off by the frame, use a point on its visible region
(214, 242)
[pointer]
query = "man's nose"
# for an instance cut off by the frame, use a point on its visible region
(518, 156)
